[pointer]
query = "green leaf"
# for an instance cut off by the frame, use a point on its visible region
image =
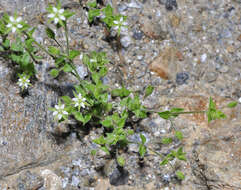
(108, 11)
(95, 77)
(121, 122)
(68, 14)
(142, 150)
(143, 139)
(6, 43)
(50, 33)
(25, 59)
(179, 135)
(78, 116)
(232, 104)
(107, 122)
(140, 113)
(92, 14)
(121, 161)
(53, 50)
(148, 91)
(93, 152)
(164, 162)
(54, 73)
(67, 100)
(87, 118)
(67, 68)
(180, 175)
(101, 140)
(130, 132)
(165, 114)
(121, 92)
(166, 140)
(180, 154)
(176, 110)
(182, 157)
(105, 150)
(213, 113)
(73, 54)
(92, 4)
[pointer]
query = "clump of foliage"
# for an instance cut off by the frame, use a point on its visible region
(94, 102)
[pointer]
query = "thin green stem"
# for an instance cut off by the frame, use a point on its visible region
(39, 45)
(188, 112)
(67, 38)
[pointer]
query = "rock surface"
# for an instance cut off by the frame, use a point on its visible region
(165, 39)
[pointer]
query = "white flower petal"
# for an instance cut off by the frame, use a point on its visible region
(9, 25)
(116, 27)
(60, 116)
(82, 105)
(62, 106)
(125, 23)
(76, 105)
(11, 19)
(27, 80)
(18, 19)
(61, 11)
(121, 19)
(19, 25)
(116, 22)
(55, 9)
(79, 96)
(25, 85)
(51, 15)
(75, 99)
(55, 113)
(57, 107)
(14, 29)
(56, 20)
(62, 17)
(81, 56)
(92, 60)
(20, 84)
(65, 112)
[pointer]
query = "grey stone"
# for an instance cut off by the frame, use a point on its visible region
(126, 41)
(182, 77)
(210, 76)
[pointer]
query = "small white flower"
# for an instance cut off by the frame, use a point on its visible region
(23, 81)
(120, 25)
(56, 15)
(14, 23)
(79, 101)
(59, 111)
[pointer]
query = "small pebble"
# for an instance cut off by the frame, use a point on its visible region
(170, 4)
(203, 57)
(224, 69)
(182, 77)
(75, 181)
(210, 76)
(137, 35)
(126, 41)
